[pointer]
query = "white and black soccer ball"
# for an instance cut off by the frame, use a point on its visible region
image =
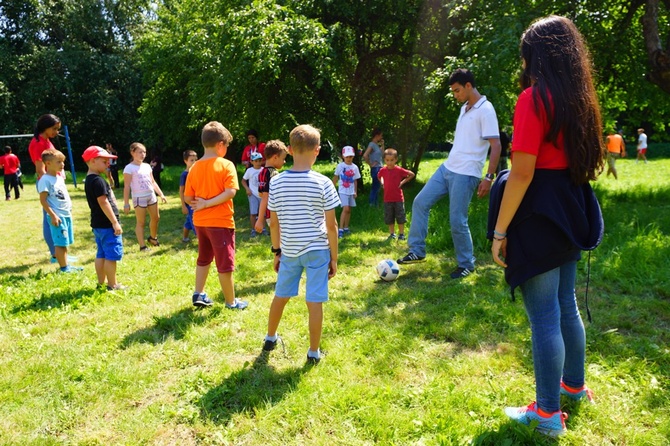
(388, 270)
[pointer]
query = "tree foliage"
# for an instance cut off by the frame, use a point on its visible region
(119, 71)
(72, 58)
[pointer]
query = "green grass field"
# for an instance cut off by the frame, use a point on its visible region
(423, 360)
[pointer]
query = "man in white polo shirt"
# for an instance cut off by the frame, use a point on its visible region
(459, 175)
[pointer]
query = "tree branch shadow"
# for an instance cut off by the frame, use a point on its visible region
(174, 327)
(256, 385)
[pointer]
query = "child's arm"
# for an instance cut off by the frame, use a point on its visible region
(262, 208)
(246, 187)
(109, 212)
(331, 227)
(55, 220)
(201, 203)
(407, 179)
(127, 178)
(356, 188)
(158, 190)
(335, 178)
(184, 210)
(275, 237)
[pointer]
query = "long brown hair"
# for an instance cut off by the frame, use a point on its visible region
(558, 66)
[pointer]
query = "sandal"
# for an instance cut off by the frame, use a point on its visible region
(153, 241)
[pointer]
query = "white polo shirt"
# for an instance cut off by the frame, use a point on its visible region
(473, 130)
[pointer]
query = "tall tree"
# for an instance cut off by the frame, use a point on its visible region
(72, 58)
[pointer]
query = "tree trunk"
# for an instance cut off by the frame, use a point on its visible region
(659, 58)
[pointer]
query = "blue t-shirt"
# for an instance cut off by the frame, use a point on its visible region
(300, 200)
(57, 197)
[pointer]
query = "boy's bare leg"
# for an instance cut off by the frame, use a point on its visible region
(201, 273)
(185, 233)
(61, 256)
(276, 311)
(391, 229)
(401, 228)
(110, 272)
(228, 287)
(100, 270)
(315, 324)
(252, 221)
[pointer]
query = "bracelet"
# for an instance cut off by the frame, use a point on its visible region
(276, 252)
(499, 239)
(126, 206)
(500, 234)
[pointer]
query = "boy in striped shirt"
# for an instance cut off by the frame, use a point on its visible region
(303, 228)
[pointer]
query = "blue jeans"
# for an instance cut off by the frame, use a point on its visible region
(376, 185)
(460, 189)
(557, 333)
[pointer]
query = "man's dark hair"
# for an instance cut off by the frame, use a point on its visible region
(462, 76)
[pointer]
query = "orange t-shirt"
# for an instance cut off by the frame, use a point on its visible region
(614, 143)
(207, 179)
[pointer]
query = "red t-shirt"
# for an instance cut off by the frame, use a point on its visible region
(392, 178)
(10, 162)
(246, 153)
(37, 146)
(530, 129)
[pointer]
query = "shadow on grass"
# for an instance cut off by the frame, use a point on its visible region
(49, 301)
(174, 326)
(12, 273)
(512, 433)
(255, 386)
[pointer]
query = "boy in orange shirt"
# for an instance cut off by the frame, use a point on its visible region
(210, 187)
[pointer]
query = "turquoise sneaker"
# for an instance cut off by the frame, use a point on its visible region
(580, 394)
(553, 426)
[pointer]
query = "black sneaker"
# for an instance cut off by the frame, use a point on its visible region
(459, 273)
(411, 258)
(268, 345)
(201, 300)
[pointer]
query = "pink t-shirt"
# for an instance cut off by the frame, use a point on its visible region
(392, 178)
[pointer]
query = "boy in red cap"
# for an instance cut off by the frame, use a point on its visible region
(104, 217)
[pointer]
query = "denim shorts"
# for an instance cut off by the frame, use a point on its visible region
(110, 246)
(62, 234)
(254, 204)
(316, 264)
(347, 200)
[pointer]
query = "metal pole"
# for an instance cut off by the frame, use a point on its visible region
(69, 151)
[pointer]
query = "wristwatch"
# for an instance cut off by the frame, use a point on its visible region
(275, 251)
(489, 176)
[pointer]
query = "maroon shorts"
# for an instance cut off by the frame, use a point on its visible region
(216, 244)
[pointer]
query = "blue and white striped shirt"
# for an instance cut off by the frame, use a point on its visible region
(300, 200)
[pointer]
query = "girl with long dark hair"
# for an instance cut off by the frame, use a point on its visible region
(549, 212)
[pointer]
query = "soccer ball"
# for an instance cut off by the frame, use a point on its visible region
(388, 270)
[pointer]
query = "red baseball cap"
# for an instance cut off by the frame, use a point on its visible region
(96, 152)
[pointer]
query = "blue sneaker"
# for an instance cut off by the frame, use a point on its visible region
(553, 425)
(580, 394)
(238, 305)
(253, 233)
(340, 233)
(201, 300)
(71, 269)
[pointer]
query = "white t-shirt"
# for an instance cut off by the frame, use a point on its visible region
(642, 141)
(300, 200)
(141, 184)
(473, 130)
(251, 176)
(347, 174)
(58, 198)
